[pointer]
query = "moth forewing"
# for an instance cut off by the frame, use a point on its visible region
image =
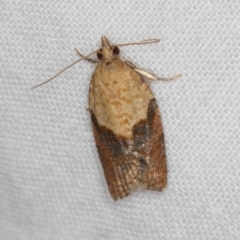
(127, 126)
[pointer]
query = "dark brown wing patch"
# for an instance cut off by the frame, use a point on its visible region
(149, 142)
(120, 166)
(130, 162)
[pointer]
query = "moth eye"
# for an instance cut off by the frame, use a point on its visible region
(116, 50)
(99, 56)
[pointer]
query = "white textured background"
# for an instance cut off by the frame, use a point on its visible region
(51, 181)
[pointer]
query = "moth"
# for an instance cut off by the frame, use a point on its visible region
(126, 122)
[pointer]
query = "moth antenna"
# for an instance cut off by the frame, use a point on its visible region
(64, 69)
(147, 41)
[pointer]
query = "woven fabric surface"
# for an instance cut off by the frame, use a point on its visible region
(51, 180)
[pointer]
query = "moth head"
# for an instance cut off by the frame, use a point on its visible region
(107, 52)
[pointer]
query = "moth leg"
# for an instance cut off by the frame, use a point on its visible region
(149, 75)
(130, 64)
(170, 78)
(88, 59)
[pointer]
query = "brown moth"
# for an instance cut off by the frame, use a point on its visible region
(126, 123)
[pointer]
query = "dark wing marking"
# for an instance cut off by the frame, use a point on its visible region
(149, 143)
(127, 163)
(120, 165)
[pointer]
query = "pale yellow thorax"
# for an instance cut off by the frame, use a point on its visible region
(118, 97)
